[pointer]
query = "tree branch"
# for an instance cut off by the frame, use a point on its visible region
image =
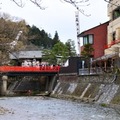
(20, 3)
(76, 3)
(38, 3)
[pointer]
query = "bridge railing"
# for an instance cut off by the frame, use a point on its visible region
(29, 69)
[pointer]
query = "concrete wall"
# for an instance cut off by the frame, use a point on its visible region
(96, 88)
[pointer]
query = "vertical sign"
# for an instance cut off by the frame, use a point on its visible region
(78, 30)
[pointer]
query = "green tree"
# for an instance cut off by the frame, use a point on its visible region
(55, 39)
(39, 37)
(50, 57)
(71, 48)
(57, 55)
(87, 53)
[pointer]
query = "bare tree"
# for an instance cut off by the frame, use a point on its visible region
(8, 34)
(79, 3)
(20, 3)
(76, 3)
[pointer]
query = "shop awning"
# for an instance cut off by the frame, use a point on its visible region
(105, 57)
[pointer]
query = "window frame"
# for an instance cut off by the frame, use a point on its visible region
(116, 13)
(86, 39)
(114, 36)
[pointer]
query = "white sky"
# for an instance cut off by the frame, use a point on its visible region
(58, 16)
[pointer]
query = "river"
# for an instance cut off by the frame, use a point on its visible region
(43, 108)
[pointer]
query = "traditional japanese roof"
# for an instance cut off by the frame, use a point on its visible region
(26, 54)
(29, 51)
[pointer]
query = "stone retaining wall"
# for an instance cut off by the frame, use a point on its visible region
(91, 88)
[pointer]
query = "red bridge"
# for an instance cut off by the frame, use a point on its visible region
(19, 70)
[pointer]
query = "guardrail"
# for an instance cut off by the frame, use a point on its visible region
(93, 71)
(29, 69)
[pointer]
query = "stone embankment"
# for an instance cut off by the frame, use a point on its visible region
(102, 89)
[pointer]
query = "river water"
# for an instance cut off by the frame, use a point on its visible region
(43, 108)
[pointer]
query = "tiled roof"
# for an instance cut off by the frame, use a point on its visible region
(26, 54)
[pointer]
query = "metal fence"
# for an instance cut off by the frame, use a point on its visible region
(91, 71)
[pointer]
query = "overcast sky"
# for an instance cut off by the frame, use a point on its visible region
(58, 16)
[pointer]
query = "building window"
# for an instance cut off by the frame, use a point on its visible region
(114, 36)
(116, 13)
(88, 39)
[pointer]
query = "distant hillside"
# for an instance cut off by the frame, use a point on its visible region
(40, 38)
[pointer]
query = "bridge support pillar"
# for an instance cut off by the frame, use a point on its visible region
(47, 84)
(4, 85)
(53, 81)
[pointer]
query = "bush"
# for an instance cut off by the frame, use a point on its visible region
(103, 105)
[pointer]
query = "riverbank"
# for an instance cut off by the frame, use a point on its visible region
(40, 108)
(116, 107)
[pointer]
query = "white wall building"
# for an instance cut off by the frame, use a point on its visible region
(113, 37)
